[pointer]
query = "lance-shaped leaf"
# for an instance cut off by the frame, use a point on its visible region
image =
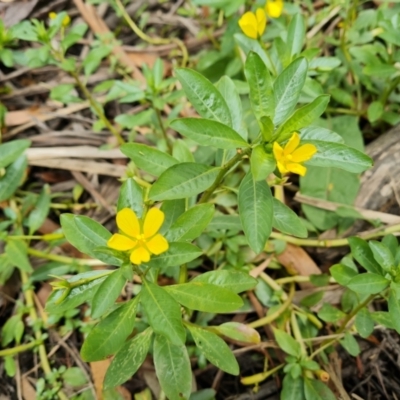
(163, 312)
(209, 133)
(128, 359)
(260, 84)
(183, 180)
(256, 211)
(204, 96)
(340, 156)
(172, 368)
(287, 88)
(148, 158)
(303, 117)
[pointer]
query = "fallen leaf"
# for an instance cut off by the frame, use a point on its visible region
(297, 262)
(14, 12)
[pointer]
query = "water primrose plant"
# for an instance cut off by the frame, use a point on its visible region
(197, 208)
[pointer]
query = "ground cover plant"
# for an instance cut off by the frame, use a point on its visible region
(156, 248)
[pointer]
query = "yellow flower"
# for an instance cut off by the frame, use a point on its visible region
(274, 8)
(288, 159)
(139, 238)
(66, 20)
(253, 24)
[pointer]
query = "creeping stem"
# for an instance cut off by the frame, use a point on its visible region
(224, 169)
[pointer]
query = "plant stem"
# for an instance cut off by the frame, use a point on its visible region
(343, 326)
(272, 317)
(63, 259)
(48, 237)
(297, 333)
(44, 361)
(20, 348)
(335, 242)
(183, 274)
(96, 107)
(148, 39)
(224, 169)
(163, 131)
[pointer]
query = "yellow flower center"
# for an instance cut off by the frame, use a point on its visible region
(289, 156)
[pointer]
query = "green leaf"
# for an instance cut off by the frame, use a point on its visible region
(368, 283)
(87, 235)
(163, 313)
(128, 359)
(364, 323)
(107, 293)
(16, 251)
(235, 281)
(292, 389)
(260, 83)
(342, 273)
(131, 196)
(287, 88)
(109, 334)
(13, 177)
(209, 133)
(215, 349)
(303, 117)
(328, 313)
(178, 253)
(261, 163)
(256, 211)
(205, 297)
(394, 310)
(74, 377)
(286, 220)
(312, 133)
(41, 210)
(383, 318)
(314, 389)
(339, 156)
(350, 344)
(225, 222)
(183, 180)
(191, 223)
(10, 151)
(173, 368)
(78, 295)
(287, 343)
(238, 331)
(375, 111)
(247, 45)
(382, 255)
(148, 158)
(204, 96)
(390, 241)
(295, 36)
(363, 254)
(172, 210)
(229, 92)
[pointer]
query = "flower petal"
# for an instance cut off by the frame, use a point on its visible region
(304, 153)
(261, 21)
(296, 168)
(278, 151)
(139, 255)
(128, 222)
(248, 24)
(274, 8)
(157, 245)
(292, 144)
(152, 222)
(121, 242)
(281, 168)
